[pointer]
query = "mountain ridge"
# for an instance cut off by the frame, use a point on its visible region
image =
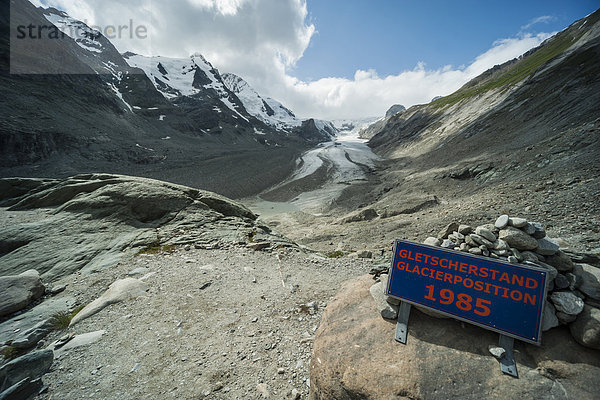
(98, 113)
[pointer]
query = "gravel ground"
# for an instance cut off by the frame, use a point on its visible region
(218, 324)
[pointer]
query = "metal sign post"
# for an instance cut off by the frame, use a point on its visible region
(402, 324)
(507, 362)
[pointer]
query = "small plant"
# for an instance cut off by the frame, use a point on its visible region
(251, 236)
(9, 352)
(157, 249)
(62, 319)
(335, 254)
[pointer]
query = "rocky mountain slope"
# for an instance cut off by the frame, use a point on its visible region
(551, 92)
(522, 136)
(74, 104)
(187, 294)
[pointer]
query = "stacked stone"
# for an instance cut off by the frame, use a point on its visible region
(573, 289)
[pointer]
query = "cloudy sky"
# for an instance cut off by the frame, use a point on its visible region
(338, 58)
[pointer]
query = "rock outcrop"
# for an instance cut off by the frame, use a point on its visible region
(395, 109)
(355, 356)
(90, 222)
(21, 375)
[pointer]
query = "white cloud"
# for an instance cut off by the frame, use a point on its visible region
(544, 19)
(370, 95)
(261, 40)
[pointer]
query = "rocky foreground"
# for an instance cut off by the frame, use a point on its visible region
(143, 289)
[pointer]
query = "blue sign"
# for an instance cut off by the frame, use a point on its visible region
(506, 298)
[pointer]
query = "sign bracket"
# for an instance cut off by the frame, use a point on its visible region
(507, 362)
(402, 324)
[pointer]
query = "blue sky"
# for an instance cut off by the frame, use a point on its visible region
(333, 59)
(391, 36)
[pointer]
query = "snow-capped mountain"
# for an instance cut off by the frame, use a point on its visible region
(99, 53)
(86, 37)
(129, 85)
(266, 109)
(78, 105)
(195, 77)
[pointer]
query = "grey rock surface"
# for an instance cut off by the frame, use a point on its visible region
(386, 309)
(485, 233)
(33, 335)
(517, 222)
(83, 339)
(496, 351)
(518, 239)
(588, 278)
(432, 241)
(118, 291)
(448, 244)
(23, 390)
(567, 303)
(547, 246)
(448, 229)
(549, 319)
(365, 254)
(32, 365)
(501, 221)
(564, 318)
(529, 256)
(529, 229)
(539, 231)
(561, 282)
(19, 291)
(561, 261)
(362, 215)
(91, 222)
(465, 229)
(586, 328)
(14, 328)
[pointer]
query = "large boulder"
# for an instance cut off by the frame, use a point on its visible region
(356, 357)
(586, 328)
(19, 291)
(588, 279)
(518, 239)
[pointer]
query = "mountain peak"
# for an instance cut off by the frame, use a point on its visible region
(266, 109)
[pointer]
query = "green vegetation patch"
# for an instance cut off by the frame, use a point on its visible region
(335, 254)
(10, 352)
(516, 72)
(157, 249)
(61, 320)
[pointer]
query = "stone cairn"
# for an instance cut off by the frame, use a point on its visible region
(573, 291)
